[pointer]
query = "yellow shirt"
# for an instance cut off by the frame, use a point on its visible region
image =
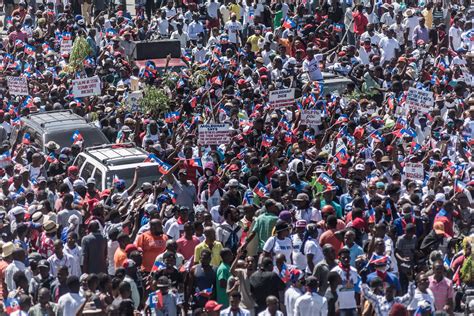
(253, 40)
(428, 15)
(235, 8)
(216, 253)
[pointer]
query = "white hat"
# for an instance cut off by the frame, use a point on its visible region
(150, 207)
(439, 197)
(7, 249)
(79, 183)
(233, 183)
(17, 210)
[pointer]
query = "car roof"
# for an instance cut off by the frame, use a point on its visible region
(55, 120)
(117, 154)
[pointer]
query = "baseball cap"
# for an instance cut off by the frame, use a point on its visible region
(212, 306)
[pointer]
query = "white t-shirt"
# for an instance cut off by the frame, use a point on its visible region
(299, 260)
(312, 247)
(212, 8)
(233, 28)
(225, 13)
(388, 47)
(455, 33)
(69, 303)
(163, 26)
(183, 38)
(410, 24)
(277, 246)
(312, 67)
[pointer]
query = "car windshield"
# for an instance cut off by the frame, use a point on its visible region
(91, 137)
(148, 173)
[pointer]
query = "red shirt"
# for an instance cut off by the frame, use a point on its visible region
(360, 22)
(328, 237)
(186, 246)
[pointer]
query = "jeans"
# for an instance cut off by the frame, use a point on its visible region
(348, 312)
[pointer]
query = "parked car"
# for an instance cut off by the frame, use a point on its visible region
(105, 162)
(57, 126)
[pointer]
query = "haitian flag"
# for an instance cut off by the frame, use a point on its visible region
(163, 167)
(309, 138)
(157, 266)
(196, 162)
(342, 156)
(459, 186)
(337, 27)
(172, 117)
(260, 190)
(267, 140)
(289, 23)
(342, 119)
(375, 135)
(77, 137)
(29, 50)
(325, 180)
(155, 300)
(206, 293)
(51, 158)
(172, 195)
(284, 124)
(115, 179)
(26, 139)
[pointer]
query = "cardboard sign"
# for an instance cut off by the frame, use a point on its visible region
(133, 99)
(311, 118)
(414, 171)
(134, 83)
(66, 46)
(213, 134)
(419, 100)
(281, 98)
(17, 85)
(86, 87)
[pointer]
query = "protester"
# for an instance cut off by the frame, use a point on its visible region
(325, 142)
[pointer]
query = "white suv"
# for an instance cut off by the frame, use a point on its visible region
(106, 161)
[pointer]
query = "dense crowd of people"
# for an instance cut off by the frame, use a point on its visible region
(365, 209)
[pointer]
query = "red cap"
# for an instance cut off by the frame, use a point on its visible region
(241, 82)
(358, 223)
(212, 306)
(262, 70)
(72, 169)
(131, 247)
(233, 167)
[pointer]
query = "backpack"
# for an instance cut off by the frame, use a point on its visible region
(233, 241)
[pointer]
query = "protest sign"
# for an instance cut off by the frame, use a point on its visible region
(86, 87)
(213, 134)
(133, 99)
(281, 98)
(66, 46)
(414, 171)
(419, 100)
(311, 118)
(17, 85)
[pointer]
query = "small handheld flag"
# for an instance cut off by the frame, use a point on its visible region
(77, 137)
(261, 190)
(157, 266)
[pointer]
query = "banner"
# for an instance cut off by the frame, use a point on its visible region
(213, 134)
(17, 85)
(414, 171)
(281, 98)
(311, 118)
(419, 100)
(86, 87)
(66, 46)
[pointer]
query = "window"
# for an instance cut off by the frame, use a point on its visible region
(79, 161)
(87, 171)
(98, 179)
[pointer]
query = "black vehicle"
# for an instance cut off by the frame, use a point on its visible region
(57, 126)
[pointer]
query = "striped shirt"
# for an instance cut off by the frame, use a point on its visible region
(381, 306)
